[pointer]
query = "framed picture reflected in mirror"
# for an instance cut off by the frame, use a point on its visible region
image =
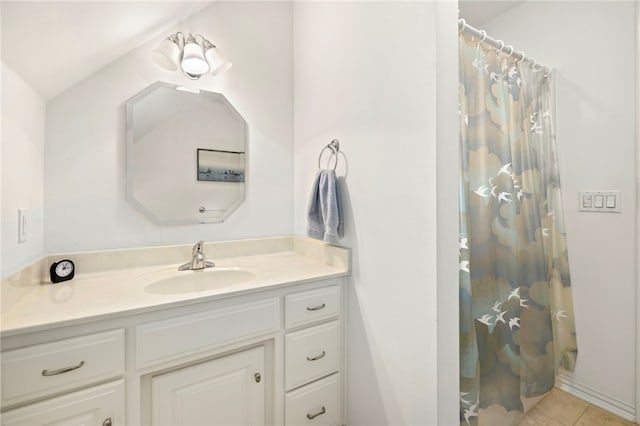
(220, 166)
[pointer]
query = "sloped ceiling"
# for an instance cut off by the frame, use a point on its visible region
(53, 45)
(478, 12)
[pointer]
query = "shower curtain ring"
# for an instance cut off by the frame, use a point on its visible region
(461, 24)
(510, 50)
(501, 46)
(522, 57)
(484, 35)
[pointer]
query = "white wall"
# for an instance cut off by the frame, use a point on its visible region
(637, 115)
(23, 123)
(591, 45)
(365, 73)
(85, 200)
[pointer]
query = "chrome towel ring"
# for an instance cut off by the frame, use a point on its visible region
(334, 148)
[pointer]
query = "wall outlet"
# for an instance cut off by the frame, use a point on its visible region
(22, 225)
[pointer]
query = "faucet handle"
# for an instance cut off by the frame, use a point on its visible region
(197, 248)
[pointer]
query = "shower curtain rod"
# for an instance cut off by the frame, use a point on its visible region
(498, 45)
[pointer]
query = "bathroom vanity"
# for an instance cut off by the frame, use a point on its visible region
(256, 340)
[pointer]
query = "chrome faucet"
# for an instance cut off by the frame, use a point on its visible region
(198, 259)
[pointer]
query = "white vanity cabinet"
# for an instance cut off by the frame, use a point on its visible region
(268, 357)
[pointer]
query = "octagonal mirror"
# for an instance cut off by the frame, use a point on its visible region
(186, 155)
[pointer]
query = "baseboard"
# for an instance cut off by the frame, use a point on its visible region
(567, 383)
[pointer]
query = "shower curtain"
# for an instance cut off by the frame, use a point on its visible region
(516, 311)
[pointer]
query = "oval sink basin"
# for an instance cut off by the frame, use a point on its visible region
(193, 281)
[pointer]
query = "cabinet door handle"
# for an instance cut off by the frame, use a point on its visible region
(316, 308)
(107, 422)
(62, 370)
(317, 357)
(319, 413)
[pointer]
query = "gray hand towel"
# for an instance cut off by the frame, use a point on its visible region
(324, 218)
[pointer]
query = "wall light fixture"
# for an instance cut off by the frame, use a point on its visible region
(195, 55)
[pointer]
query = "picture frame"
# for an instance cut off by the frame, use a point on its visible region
(220, 166)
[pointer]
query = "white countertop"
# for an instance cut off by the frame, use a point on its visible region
(108, 293)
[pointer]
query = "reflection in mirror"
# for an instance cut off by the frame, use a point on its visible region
(186, 154)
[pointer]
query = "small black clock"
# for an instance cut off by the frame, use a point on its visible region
(62, 270)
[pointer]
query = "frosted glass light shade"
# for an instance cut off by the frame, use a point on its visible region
(219, 64)
(193, 62)
(194, 55)
(167, 55)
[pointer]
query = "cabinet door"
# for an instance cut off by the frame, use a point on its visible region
(225, 391)
(99, 405)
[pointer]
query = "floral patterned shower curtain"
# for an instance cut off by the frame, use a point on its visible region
(516, 311)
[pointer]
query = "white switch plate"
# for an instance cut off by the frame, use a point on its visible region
(22, 225)
(608, 201)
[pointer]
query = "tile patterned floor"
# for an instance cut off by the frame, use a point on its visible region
(561, 409)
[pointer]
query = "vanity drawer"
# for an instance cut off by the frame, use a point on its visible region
(317, 404)
(312, 353)
(309, 306)
(40, 370)
(156, 341)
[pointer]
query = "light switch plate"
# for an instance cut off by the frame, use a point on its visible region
(600, 201)
(22, 225)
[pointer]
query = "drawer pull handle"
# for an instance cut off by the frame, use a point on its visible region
(107, 422)
(62, 370)
(317, 357)
(319, 413)
(316, 308)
